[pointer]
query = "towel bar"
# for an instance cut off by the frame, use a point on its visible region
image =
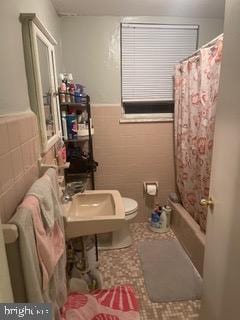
(44, 167)
(10, 232)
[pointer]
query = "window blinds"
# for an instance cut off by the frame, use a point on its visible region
(149, 54)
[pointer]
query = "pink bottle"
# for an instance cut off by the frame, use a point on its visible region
(62, 92)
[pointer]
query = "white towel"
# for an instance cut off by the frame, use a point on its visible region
(52, 174)
(48, 199)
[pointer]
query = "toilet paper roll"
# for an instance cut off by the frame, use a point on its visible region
(152, 189)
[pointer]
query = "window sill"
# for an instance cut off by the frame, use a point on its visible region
(146, 119)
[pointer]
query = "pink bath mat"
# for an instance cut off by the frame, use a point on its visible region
(117, 303)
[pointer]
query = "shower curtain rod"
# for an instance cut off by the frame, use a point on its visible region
(209, 44)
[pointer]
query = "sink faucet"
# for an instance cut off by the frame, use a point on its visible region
(68, 192)
(71, 189)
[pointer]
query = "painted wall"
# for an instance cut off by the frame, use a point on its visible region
(91, 50)
(13, 89)
(221, 290)
(131, 153)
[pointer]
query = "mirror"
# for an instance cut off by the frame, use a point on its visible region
(42, 81)
(46, 87)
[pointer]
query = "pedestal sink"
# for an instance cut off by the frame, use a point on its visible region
(92, 212)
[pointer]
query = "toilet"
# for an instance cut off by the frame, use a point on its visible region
(121, 238)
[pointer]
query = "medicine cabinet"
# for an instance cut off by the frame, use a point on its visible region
(42, 80)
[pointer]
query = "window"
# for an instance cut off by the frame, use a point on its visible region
(149, 53)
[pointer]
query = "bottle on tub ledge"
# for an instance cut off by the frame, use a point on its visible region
(160, 219)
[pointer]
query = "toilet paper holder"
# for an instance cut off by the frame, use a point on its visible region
(150, 183)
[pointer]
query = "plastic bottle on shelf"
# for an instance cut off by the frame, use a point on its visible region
(64, 125)
(82, 127)
(85, 119)
(68, 96)
(84, 96)
(62, 92)
(78, 93)
(72, 92)
(71, 126)
(70, 77)
(80, 96)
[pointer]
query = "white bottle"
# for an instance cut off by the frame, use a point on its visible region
(64, 125)
(163, 220)
(167, 211)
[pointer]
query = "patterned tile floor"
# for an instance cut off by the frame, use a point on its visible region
(123, 267)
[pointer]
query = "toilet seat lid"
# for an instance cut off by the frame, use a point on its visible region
(130, 205)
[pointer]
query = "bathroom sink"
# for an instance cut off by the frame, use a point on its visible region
(92, 212)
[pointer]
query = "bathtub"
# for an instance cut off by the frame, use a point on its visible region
(189, 234)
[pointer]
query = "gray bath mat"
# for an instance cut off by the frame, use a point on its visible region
(168, 272)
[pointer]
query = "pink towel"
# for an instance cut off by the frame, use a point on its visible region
(50, 246)
(117, 303)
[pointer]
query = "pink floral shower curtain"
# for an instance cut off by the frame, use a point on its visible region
(196, 90)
